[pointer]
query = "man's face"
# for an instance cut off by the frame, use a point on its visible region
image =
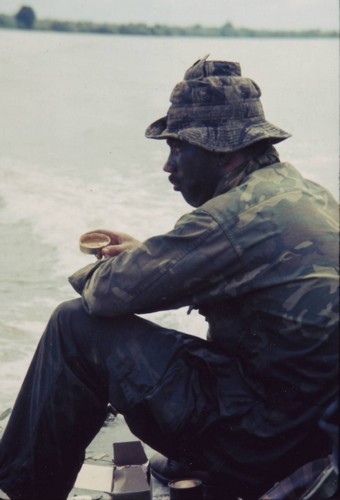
(193, 171)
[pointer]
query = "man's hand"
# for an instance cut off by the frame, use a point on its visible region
(120, 242)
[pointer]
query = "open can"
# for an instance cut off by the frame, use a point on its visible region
(186, 489)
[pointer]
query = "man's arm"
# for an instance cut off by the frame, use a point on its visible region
(164, 272)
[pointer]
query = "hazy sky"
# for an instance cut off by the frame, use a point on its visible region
(271, 14)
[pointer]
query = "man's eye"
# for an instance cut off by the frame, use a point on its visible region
(177, 148)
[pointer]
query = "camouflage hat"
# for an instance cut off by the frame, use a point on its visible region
(216, 108)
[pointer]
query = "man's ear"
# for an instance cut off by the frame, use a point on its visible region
(230, 161)
(223, 159)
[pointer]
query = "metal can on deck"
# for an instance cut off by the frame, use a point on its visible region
(186, 489)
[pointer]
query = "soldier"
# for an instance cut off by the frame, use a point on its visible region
(257, 257)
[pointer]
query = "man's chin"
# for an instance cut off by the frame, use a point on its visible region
(191, 201)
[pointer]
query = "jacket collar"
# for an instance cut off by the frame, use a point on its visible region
(239, 174)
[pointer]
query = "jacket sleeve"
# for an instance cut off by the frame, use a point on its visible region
(165, 272)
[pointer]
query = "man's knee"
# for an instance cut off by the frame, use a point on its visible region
(69, 306)
(67, 318)
(65, 311)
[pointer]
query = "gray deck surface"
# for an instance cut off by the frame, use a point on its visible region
(99, 455)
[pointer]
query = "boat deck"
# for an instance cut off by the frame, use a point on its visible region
(94, 481)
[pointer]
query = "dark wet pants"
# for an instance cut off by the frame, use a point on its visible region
(149, 374)
(81, 364)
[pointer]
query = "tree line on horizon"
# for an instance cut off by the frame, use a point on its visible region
(26, 18)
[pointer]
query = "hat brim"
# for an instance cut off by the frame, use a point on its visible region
(235, 135)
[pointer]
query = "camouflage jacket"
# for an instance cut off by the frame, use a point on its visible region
(259, 260)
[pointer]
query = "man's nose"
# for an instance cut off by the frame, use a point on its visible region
(169, 165)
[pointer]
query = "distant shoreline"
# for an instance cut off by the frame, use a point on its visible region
(141, 29)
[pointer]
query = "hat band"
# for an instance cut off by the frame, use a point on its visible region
(212, 116)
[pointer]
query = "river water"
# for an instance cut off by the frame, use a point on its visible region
(73, 157)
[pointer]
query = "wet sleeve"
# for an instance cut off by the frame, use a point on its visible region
(166, 272)
(79, 278)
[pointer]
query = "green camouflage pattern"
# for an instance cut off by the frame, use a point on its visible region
(260, 262)
(216, 108)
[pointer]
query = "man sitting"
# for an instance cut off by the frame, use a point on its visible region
(257, 257)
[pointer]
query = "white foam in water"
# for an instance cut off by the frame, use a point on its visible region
(60, 208)
(12, 373)
(34, 328)
(16, 350)
(46, 202)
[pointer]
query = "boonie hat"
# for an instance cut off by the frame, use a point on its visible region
(216, 108)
